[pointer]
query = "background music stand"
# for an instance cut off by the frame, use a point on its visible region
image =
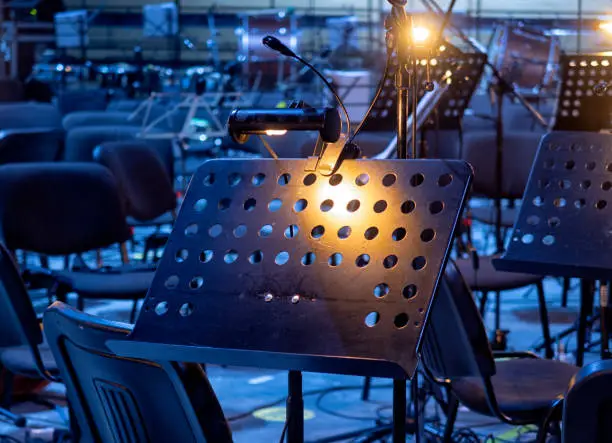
(272, 264)
(563, 227)
(579, 108)
(467, 69)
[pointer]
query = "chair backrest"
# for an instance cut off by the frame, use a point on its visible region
(81, 143)
(18, 323)
(479, 149)
(143, 181)
(43, 144)
(120, 400)
(29, 115)
(455, 343)
(588, 405)
(60, 208)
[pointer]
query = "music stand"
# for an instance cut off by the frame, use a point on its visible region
(579, 107)
(563, 226)
(466, 72)
(273, 264)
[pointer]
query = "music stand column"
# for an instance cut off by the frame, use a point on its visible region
(295, 408)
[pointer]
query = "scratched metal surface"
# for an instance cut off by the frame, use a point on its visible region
(268, 257)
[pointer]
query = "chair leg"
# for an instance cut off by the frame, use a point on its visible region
(544, 321)
(7, 389)
(451, 417)
(497, 310)
(365, 391)
(134, 311)
(80, 303)
(483, 303)
(565, 293)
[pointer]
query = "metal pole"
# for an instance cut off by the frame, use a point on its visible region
(295, 409)
(399, 410)
(402, 111)
(2, 62)
(579, 30)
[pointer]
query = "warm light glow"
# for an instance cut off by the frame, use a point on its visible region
(420, 34)
(606, 27)
(276, 132)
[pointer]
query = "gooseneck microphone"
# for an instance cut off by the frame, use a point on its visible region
(278, 46)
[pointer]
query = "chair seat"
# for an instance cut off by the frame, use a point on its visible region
(487, 278)
(486, 214)
(525, 388)
(19, 360)
(117, 284)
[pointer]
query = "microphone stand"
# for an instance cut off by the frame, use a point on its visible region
(502, 87)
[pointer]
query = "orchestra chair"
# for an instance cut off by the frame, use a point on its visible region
(518, 388)
(72, 100)
(518, 154)
(23, 351)
(81, 143)
(519, 149)
(124, 399)
(147, 191)
(122, 117)
(588, 405)
(60, 209)
(29, 115)
(30, 132)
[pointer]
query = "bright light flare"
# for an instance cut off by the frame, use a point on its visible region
(420, 34)
(606, 27)
(276, 132)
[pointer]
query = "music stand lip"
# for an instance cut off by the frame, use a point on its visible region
(508, 264)
(267, 360)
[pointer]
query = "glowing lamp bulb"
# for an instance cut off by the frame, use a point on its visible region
(420, 34)
(276, 132)
(606, 27)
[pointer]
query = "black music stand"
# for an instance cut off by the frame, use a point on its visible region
(563, 227)
(580, 107)
(274, 264)
(467, 69)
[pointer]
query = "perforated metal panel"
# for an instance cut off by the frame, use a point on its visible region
(564, 226)
(579, 108)
(467, 70)
(330, 272)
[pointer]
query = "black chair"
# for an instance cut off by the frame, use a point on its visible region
(480, 151)
(588, 405)
(146, 189)
(519, 390)
(81, 142)
(119, 399)
(22, 350)
(30, 132)
(143, 181)
(70, 208)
